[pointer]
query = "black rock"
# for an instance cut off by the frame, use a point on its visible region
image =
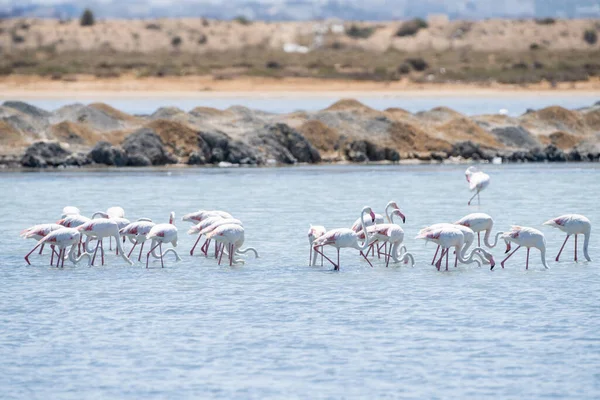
(300, 148)
(515, 136)
(241, 153)
(107, 154)
(554, 154)
(438, 155)
(217, 155)
(356, 151)
(197, 158)
(467, 149)
(78, 160)
(144, 145)
(45, 154)
(392, 154)
(138, 160)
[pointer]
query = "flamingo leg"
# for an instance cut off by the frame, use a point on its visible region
(435, 255)
(109, 245)
(102, 250)
(310, 256)
(205, 246)
(95, 251)
(131, 251)
(141, 248)
(52, 256)
(447, 253)
(478, 198)
(42, 249)
(438, 264)
(469, 203)
(563, 246)
(327, 258)
(365, 257)
(62, 264)
(337, 267)
(387, 263)
(195, 244)
(478, 239)
(150, 252)
(527, 262)
(455, 259)
(217, 248)
(575, 247)
(162, 265)
(230, 255)
(507, 257)
(222, 251)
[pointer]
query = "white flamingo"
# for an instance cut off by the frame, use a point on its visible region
(70, 210)
(528, 237)
(98, 229)
(211, 227)
(573, 224)
(163, 233)
(206, 221)
(200, 215)
(479, 222)
(477, 181)
(137, 233)
(63, 238)
(38, 232)
(232, 237)
(345, 238)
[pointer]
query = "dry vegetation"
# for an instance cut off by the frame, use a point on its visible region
(489, 51)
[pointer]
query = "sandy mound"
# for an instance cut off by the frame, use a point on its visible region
(113, 112)
(564, 140)
(350, 105)
(406, 137)
(93, 117)
(462, 129)
(439, 115)
(209, 112)
(74, 133)
(592, 118)
(398, 114)
(10, 137)
(555, 118)
(320, 135)
(181, 139)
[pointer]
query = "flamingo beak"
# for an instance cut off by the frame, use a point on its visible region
(403, 217)
(372, 216)
(507, 247)
(492, 264)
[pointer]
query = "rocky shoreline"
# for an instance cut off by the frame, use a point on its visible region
(98, 135)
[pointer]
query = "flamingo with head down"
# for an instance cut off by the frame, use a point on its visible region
(528, 237)
(163, 233)
(314, 232)
(573, 224)
(62, 238)
(232, 237)
(480, 222)
(38, 232)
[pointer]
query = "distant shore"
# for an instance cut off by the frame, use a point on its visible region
(87, 86)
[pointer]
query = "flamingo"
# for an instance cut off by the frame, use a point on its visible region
(70, 210)
(73, 221)
(62, 238)
(206, 221)
(163, 233)
(573, 224)
(392, 234)
(117, 214)
(379, 219)
(469, 236)
(314, 232)
(479, 222)
(451, 236)
(231, 235)
(200, 215)
(38, 232)
(100, 228)
(344, 238)
(211, 227)
(137, 232)
(477, 181)
(528, 237)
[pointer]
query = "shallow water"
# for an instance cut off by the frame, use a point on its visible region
(277, 328)
(514, 104)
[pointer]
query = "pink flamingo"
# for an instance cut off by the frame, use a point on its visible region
(206, 221)
(345, 238)
(232, 236)
(98, 229)
(163, 233)
(200, 215)
(62, 238)
(314, 232)
(573, 224)
(211, 227)
(38, 232)
(394, 235)
(479, 222)
(137, 233)
(379, 219)
(528, 237)
(477, 181)
(448, 236)
(70, 210)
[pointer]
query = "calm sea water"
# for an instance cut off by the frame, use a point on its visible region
(276, 328)
(285, 103)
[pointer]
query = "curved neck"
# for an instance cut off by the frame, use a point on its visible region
(543, 257)
(468, 260)
(121, 251)
(387, 215)
(76, 260)
(586, 242)
(100, 213)
(486, 238)
(365, 244)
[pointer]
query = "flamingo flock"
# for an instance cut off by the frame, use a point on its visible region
(75, 237)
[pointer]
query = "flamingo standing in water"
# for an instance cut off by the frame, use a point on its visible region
(451, 236)
(379, 219)
(137, 233)
(528, 237)
(62, 238)
(70, 210)
(314, 232)
(392, 234)
(479, 222)
(163, 233)
(232, 236)
(73, 221)
(469, 236)
(477, 181)
(38, 232)
(116, 213)
(200, 215)
(211, 227)
(206, 221)
(573, 224)
(98, 229)
(343, 238)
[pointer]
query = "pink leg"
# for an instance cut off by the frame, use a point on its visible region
(109, 245)
(575, 247)
(435, 255)
(563, 246)
(162, 265)
(28, 254)
(150, 252)
(102, 251)
(310, 256)
(222, 251)
(205, 247)
(438, 264)
(231, 255)
(447, 253)
(327, 258)
(131, 251)
(387, 262)
(479, 239)
(364, 257)
(141, 248)
(527, 262)
(455, 260)
(42, 249)
(217, 249)
(507, 257)
(52, 256)
(195, 244)
(338, 259)
(116, 245)
(62, 257)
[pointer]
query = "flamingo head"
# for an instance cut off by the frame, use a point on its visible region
(397, 211)
(171, 217)
(507, 246)
(492, 263)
